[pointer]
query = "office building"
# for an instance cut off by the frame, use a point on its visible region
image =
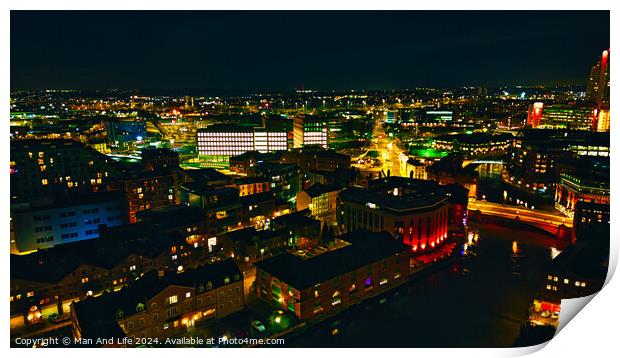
(224, 140)
(269, 141)
(309, 131)
(571, 116)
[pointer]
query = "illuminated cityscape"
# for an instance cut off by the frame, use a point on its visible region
(286, 200)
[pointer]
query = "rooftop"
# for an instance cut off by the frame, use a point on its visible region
(296, 219)
(222, 128)
(412, 202)
(365, 248)
(97, 315)
(250, 180)
(319, 189)
(174, 215)
(206, 175)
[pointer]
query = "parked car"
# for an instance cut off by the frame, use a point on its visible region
(258, 325)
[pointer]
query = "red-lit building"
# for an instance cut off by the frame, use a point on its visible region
(598, 82)
(414, 211)
(534, 114)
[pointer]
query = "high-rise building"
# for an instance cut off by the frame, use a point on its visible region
(309, 131)
(598, 83)
(534, 114)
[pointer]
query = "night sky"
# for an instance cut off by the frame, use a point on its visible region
(271, 50)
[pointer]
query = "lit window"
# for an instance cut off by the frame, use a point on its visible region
(188, 295)
(172, 299)
(566, 281)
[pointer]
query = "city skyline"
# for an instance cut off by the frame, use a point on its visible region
(351, 50)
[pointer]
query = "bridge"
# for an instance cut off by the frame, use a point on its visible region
(128, 156)
(555, 224)
(487, 161)
(478, 161)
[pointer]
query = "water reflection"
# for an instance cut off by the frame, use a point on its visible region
(554, 252)
(495, 279)
(515, 248)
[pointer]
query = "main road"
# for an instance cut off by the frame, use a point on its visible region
(389, 151)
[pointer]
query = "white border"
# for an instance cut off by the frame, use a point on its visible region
(594, 331)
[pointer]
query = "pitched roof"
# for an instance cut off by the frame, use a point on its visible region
(98, 314)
